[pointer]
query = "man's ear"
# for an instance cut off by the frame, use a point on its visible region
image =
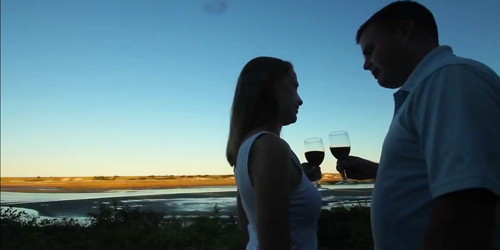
(406, 30)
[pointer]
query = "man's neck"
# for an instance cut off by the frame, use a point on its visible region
(419, 52)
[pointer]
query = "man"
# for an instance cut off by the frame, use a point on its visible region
(438, 182)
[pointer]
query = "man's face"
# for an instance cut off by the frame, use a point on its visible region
(384, 56)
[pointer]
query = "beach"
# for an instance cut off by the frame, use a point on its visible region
(172, 195)
(105, 183)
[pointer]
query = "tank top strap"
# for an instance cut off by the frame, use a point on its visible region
(247, 144)
(241, 168)
(244, 154)
(251, 139)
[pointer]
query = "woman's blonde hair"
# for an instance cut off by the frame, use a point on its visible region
(254, 102)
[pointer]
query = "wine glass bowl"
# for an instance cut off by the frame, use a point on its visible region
(340, 146)
(315, 151)
(315, 154)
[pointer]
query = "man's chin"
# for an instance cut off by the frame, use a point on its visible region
(388, 84)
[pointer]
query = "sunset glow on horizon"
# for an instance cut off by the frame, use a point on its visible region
(130, 88)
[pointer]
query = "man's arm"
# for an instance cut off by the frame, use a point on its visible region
(457, 117)
(462, 220)
(373, 169)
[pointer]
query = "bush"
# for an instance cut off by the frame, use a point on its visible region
(104, 178)
(124, 227)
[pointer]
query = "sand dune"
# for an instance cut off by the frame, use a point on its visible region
(97, 183)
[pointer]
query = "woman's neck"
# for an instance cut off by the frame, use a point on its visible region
(275, 129)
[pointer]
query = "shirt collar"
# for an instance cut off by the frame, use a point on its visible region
(424, 65)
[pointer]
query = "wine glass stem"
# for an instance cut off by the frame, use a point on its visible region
(345, 175)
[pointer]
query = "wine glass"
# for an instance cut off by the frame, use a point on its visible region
(315, 153)
(340, 147)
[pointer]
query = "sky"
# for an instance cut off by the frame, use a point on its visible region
(126, 87)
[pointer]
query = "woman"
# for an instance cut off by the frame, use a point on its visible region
(281, 205)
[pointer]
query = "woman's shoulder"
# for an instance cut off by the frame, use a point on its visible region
(270, 142)
(264, 139)
(271, 149)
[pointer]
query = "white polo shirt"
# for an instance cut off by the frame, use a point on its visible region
(444, 137)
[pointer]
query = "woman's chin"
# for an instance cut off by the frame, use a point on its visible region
(292, 120)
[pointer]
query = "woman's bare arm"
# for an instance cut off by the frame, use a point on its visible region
(270, 169)
(242, 218)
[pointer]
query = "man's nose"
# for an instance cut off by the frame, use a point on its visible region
(367, 65)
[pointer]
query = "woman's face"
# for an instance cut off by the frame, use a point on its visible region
(288, 99)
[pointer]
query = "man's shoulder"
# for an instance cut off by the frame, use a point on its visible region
(449, 66)
(460, 74)
(456, 80)
(464, 67)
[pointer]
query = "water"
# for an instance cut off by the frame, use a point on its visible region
(9, 198)
(192, 200)
(83, 220)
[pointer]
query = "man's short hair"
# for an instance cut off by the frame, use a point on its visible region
(392, 15)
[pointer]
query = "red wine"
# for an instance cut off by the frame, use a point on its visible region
(315, 158)
(340, 153)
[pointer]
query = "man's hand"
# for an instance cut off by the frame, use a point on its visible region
(313, 173)
(357, 168)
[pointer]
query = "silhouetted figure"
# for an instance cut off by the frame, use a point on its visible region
(438, 182)
(280, 203)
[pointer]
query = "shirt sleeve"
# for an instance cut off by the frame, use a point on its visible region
(457, 117)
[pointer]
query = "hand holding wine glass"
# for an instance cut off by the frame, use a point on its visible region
(313, 173)
(315, 154)
(358, 168)
(340, 147)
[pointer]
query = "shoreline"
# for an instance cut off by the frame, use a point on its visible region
(56, 190)
(90, 185)
(172, 204)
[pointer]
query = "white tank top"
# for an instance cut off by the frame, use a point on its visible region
(305, 203)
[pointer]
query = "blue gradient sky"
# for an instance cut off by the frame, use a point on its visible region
(125, 87)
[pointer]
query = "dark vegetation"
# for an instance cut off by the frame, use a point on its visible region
(123, 227)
